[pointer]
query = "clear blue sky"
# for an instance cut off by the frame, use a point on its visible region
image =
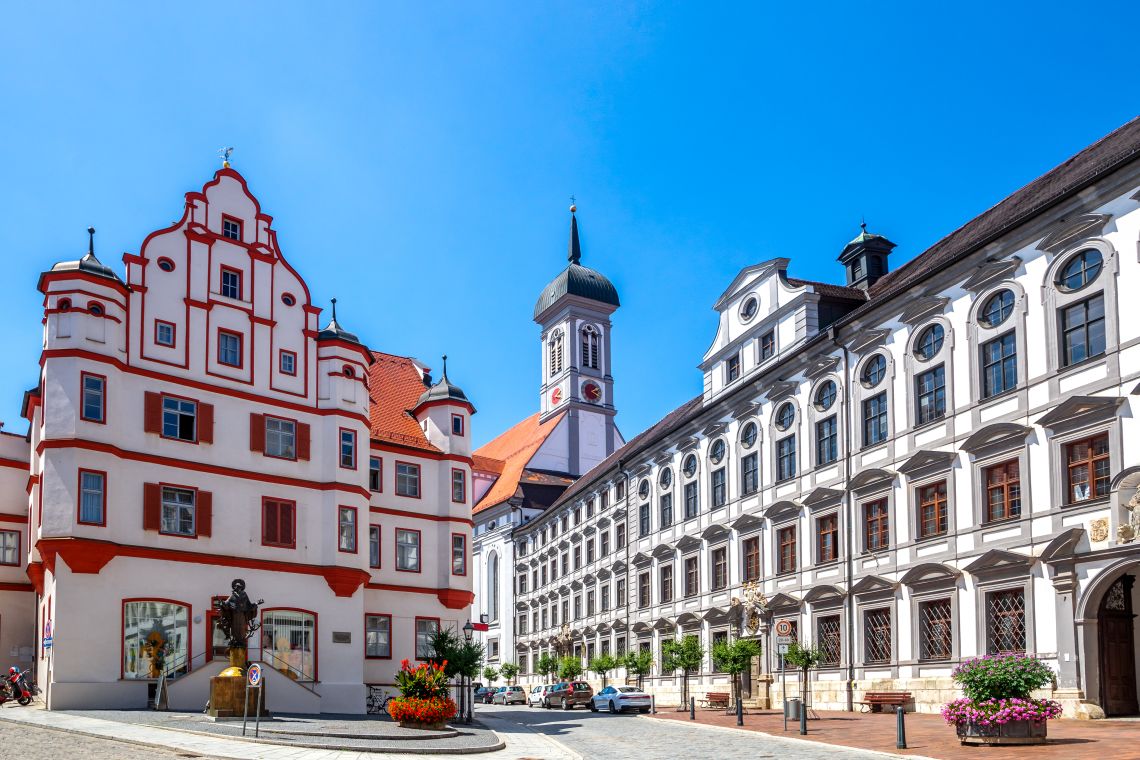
(417, 157)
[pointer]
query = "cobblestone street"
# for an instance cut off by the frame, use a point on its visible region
(35, 743)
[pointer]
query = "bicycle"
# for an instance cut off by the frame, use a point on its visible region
(378, 699)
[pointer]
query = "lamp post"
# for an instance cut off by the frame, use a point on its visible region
(468, 635)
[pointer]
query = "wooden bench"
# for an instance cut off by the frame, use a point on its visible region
(873, 701)
(715, 699)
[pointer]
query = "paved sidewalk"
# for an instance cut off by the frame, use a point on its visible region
(928, 736)
(520, 745)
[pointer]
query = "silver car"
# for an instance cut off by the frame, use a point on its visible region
(619, 698)
(509, 695)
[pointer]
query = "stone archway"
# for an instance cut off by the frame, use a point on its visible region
(1116, 644)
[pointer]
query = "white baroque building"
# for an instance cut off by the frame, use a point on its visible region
(192, 423)
(925, 464)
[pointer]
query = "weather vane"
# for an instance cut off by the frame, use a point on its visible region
(224, 154)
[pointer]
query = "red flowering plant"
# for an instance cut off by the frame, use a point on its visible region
(997, 691)
(423, 694)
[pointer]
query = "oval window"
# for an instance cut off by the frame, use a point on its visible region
(716, 452)
(1080, 270)
(749, 308)
(929, 343)
(785, 416)
(349, 371)
(997, 308)
(166, 264)
(748, 435)
(690, 466)
(96, 309)
(825, 396)
(288, 299)
(666, 478)
(875, 371)
(64, 304)
(643, 489)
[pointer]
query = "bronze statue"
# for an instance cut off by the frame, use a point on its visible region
(237, 616)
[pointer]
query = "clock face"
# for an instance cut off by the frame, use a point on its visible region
(556, 396)
(592, 392)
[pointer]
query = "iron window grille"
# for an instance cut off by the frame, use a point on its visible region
(877, 636)
(828, 636)
(1005, 621)
(935, 630)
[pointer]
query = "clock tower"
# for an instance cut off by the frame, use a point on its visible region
(574, 314)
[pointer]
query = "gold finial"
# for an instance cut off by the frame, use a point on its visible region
(225, 154)
(573, 204)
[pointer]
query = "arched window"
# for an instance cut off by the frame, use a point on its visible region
(590, 341)
(493, 587)
(289, 642)
(555, 353)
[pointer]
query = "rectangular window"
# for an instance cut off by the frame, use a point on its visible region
(94, 404)
(280, 438)
(719, 488)
(718, 637)
(732, 368)
(604, 546)
(426, 629)
(565, 610)
(603, 499)
(459, 555)
(749, 474)
(932, 512)
(930, 395)
(591, 603)
(92, 497)
(10, 547)
(457, 424)
(751, 549)
(521, 583)
(826, 441)
(999, 365)
(666, 510)
(590, 507)
(1005, 621)
(786, 458)
(666, 578)
(577, 557)
(179, 419)
(408, 550)
(767, 345)
(786, 542)
(827, 539)
(231, 283)
(278, 523)
(374, 546)
(346, 529)
(620, 592)
(231, 228)
(643, 520)
(1003, 491)
(643, 590)
(375, 478)
(288, 363)
(458, 486)
(692, 576)
(875, 419)
(795, 634)
(876, 526)
(164, 333)
(407, 479)
(619, 490)
(378, 636)
(565, 563)
(1082, 330)
(1087, 464)
(935, 630)
(828, 637)
(619, 536)
(348, 449)
(719, 568)
(692, 506)
(229, 348)
(877, 636)
(590, 554)
(605, 600)
(178, 511)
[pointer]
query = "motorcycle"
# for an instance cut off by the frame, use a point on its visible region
(16, 687)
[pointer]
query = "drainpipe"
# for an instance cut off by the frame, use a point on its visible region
(849, 518)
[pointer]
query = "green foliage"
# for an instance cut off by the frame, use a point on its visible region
(425, 681)
(602, 665)
(491, 674)
(736, 657)
(687, 654)
(638, 662)
(804, 658)
(1002, 676)
(547, 665)
(569, 668)
(460, 657)
(509, 671)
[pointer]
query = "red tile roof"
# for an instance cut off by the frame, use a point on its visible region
(396, 383)
(513, 450)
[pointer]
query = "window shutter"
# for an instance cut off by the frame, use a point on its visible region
(205, 423)
(269, 522)
(285, 521)
(152, 506)
(205, 516)
(303, 441)
(257, 432)
(152, 412)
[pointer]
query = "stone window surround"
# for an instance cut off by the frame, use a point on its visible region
(828, 608)
(948, 590)
(776, 435)
(887, 491)
(1055, 300)
(977, 335)
(867, 603)
(813, 519)
(914, 367)
(786, 521)
(984, 586)
(861, 393)
(913, 487)
(1059, 485)
(1016, 449)
(814, 416)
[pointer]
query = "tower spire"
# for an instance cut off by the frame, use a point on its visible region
(91, 242)
(445, 368)
(575, 253)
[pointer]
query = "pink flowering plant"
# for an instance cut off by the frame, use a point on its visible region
(997, 691)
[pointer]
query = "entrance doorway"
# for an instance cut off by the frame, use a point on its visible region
(1116, 626)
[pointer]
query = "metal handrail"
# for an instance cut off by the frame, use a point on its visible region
(268, 656)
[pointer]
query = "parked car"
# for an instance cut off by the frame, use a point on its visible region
(509, 695)
(619, 698)
(538, 694)
(489, 694)
(568, 695)
(480, 693)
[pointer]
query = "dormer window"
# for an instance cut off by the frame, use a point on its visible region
(231, 228)
(231, 283)
(732, 368)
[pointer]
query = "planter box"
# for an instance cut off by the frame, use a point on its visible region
(1014, 732)
(424, 726)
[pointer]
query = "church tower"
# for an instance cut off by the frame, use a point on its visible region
(574, 314)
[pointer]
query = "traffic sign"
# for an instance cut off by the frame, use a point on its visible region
(47, 642)
(784, 640)
(253, 675)
(783, 628)
(782, 648)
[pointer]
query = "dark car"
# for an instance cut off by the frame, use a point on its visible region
(489, 694)
(480, 694)
(568, 695)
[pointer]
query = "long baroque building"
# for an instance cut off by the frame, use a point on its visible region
(923, 465)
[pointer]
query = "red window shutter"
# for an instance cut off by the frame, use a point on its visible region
(285, 521)
(269, 522)
(205, 423)
(257, 432)
(152, 412)
(152, 506)
(302, 441)
(205, 507)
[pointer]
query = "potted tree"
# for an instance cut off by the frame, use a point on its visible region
(509, 670)
(460, 660)
(638, 663)
(997, 708)
(686, 656)
(602, 665)
(804, 658)
(734, 659)
(423, 702)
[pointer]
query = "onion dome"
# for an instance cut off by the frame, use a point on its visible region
(444, 390)
(577, 280)
(333, 331)
(88, 264)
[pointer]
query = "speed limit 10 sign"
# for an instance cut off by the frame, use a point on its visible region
(783, 627)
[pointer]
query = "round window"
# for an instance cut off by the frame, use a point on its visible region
(716, 451)
(748, 435)
(349, 371)
(1080, 270)
(643, 489)
(825, 396)
(96, 309)
(929, 343)
(64, 304)
(166, 264)
(288, 299)
(785, 416)
(997, 308)
(874, 371)
(749, 308)
(690, 466)
(666, 478)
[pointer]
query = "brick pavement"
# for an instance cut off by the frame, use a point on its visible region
(929, 736)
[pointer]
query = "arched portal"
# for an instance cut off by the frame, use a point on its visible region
(1116, 645)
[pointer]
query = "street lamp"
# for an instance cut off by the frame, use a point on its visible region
(468, 699)
(468, 631)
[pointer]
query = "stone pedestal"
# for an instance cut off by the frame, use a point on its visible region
(226, 694)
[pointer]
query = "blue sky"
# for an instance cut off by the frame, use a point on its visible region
(418, 157)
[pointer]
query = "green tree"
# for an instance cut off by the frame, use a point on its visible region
(490, 674)
(462, 657)
(569, 668)
(804, 658)
(638, 663)
(686, 656)
(602, 665)
(547, 666)
(735, 658)
(509, 671)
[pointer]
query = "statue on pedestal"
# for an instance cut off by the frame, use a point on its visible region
(237, 619)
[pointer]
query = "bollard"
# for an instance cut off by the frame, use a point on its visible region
(803, 719)
(692, 708)
(739, 711)
(900, 740)
(653, 704)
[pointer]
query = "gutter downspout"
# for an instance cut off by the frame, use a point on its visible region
(849, 515)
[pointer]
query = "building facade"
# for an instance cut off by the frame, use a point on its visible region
(922, 465)
(193, 424)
